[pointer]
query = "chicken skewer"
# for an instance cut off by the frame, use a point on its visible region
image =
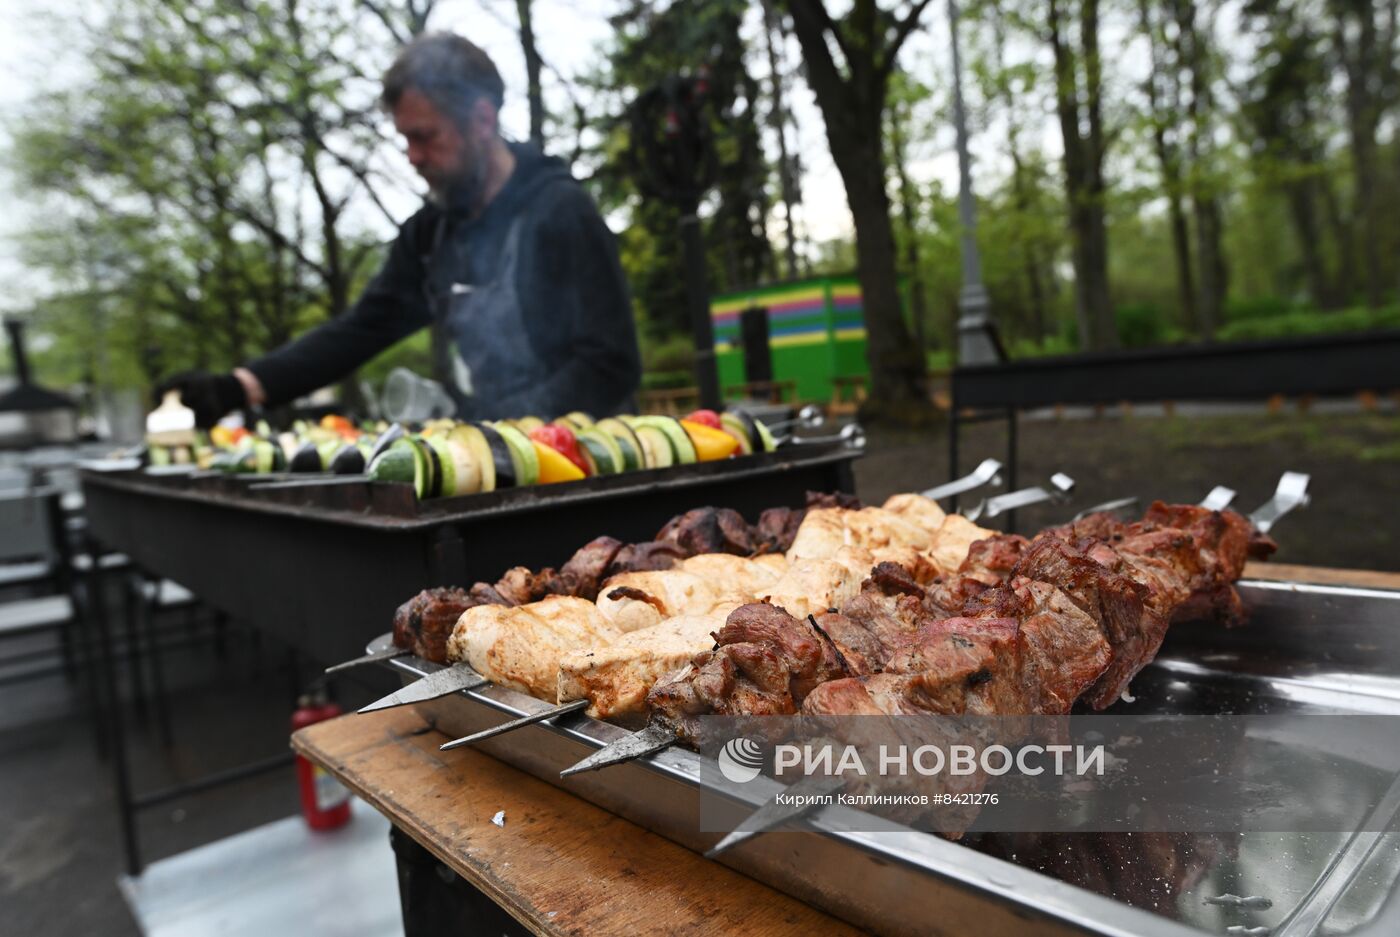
(491, 638)
(668, 625)
(704, 530)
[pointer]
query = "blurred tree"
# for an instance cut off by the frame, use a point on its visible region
(1012, 87)
(1074, 40)
(534, 92)
(1284, 109)
(225, 147)
(849, 62)
(789, 164)
(656, 41)
(1364, 35)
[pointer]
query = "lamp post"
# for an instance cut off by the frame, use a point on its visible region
(978, 342)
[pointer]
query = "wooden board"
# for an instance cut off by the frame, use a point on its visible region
(1321, 575)
(559, 864)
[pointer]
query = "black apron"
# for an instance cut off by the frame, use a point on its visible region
(482, 352)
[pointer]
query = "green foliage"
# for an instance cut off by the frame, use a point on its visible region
(197, 187)
(1140, 325)
(1310, 322)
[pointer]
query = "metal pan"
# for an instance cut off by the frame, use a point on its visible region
(1307, 648)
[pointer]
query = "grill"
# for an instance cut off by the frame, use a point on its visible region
(312, 560)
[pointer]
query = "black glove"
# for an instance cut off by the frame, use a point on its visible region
(210, 396)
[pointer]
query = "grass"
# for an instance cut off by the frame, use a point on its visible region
(1369, 437)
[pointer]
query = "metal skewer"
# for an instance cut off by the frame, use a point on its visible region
(1219, 498)
(1117, 504)
(441, 683)
(1060, 487)
(647, 741)
(541, 716)
(373, 657)
(809, 417)
(773, 815)
(851, 434)
(987, 473)
(1292, 492)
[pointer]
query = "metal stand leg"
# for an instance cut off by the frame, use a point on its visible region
(220, 635)
(89, 670)
(161, 699)
(1011, 464)
(111, 705)
(953, 450)
(133, 598)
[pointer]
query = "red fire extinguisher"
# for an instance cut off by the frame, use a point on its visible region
(324, 801)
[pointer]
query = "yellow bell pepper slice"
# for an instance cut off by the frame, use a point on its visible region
(554, 465)
(710, 443)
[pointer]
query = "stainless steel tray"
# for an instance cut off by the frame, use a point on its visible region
(1308, 648)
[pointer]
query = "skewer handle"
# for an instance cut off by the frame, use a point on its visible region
(1060, 487)
(1219, 498)
(987, 473)
(1292, 492)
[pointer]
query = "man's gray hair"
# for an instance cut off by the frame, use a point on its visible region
(449, 71)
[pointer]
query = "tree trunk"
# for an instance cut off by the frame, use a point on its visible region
(896, 365)
(532, 72)
(777, 122)
(1169, 160)
(1084, 187)
(1363, 68)
(1302, 207)
(1210, 259)
(913, 263)
(852, 109)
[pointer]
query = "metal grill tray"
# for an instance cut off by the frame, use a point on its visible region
(1308, 648)
(353, 499)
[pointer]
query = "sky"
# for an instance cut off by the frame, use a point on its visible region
(570, 34)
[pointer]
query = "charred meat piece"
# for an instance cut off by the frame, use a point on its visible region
(776, 529)
(991, 560)
(764, 662)
(1062, 649)
(708, 530)
(425, 622)
(951, 667)
(1223, 535)
(585, 570)
(644, 557)
(1117, 603)
(833, 499)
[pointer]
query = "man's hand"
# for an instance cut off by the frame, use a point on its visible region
(210, 396)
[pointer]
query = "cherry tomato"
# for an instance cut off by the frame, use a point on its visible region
(562, 440)
(706, 418)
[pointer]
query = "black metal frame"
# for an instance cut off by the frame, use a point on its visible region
(1331, 365)
(323, 578)
(110, 722)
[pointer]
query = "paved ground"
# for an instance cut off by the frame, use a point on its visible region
(60, 851)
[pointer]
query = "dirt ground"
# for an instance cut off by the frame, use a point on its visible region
(1354, 461)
